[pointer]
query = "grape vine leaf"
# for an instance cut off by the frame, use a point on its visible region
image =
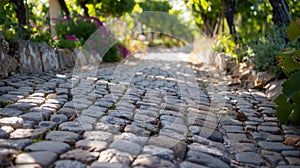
(293, 30)
(283, 109)
(287, 62)
(3, 3)
(292, 85)
(296, 98)
(295, 115)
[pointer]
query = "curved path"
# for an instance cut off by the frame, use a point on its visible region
(151, 111)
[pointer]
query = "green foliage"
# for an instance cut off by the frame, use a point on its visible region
(112, 55)
(104, 44)
(72, 33)
(9, 23)
(255, 19)
(294, 8)
(283, 109)
(39, 21)
(225, 43)
(265, 49)
(291, 86)
(155, 43)
(293, 30)
(37, 30)
(287, 62)
(42, 36)
(206, 13)
(166, 24)
(288, 102)
(116, 8)
(162, 6)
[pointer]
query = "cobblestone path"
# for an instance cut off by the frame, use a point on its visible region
(142, 113)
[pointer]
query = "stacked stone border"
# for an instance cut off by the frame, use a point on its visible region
(24, 56)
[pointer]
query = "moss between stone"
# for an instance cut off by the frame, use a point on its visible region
(5, 103)
(152, 132)
(36, 140)
(112, 107)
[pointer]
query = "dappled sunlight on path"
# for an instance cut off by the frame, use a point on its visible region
(155, 109)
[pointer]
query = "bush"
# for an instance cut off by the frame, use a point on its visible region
(225, 43)
(115, 53)
(73, 33)
(288, 102)
(265, 50)
(9, 23)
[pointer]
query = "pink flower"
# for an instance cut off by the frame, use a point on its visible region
(32, 24)
(71, 37)
(95, 52)
(123, 50)
(97, 21)
(55, 37)
(92, 43)
(65, 18)
(105, 42)
(142, 37)
(102, 30)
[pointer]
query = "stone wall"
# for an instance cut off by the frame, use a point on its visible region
(245, 73)
(27, 57)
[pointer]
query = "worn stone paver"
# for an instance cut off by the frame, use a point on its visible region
(140, 113)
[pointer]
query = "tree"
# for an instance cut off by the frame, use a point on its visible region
(107, 7)
(155, 21)
(281, 15)
(116, 8)
(64, 8)
(83, 3)
(245, 19)
(208, 14)
(21, 13)
(162, 6)
(230, 11)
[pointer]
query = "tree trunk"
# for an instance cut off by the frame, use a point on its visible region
(55, 14)
(20, 10)
(230, 10)
(217, 27)
(281, 14)
(64, 8)
(85, 9)
(22, 15)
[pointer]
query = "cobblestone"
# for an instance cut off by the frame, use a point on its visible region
(10, 112)
(63, 136)
(93, 145)
(19, 144)
(249, 158)
(126, 146)
(115, 156)
(56, 147)
(80, 155)
(68, 163)
(274, 146)
(44, 158)
(147, 113)
(204, 159)
(15, 122)
(28, 133)
(59, 118)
